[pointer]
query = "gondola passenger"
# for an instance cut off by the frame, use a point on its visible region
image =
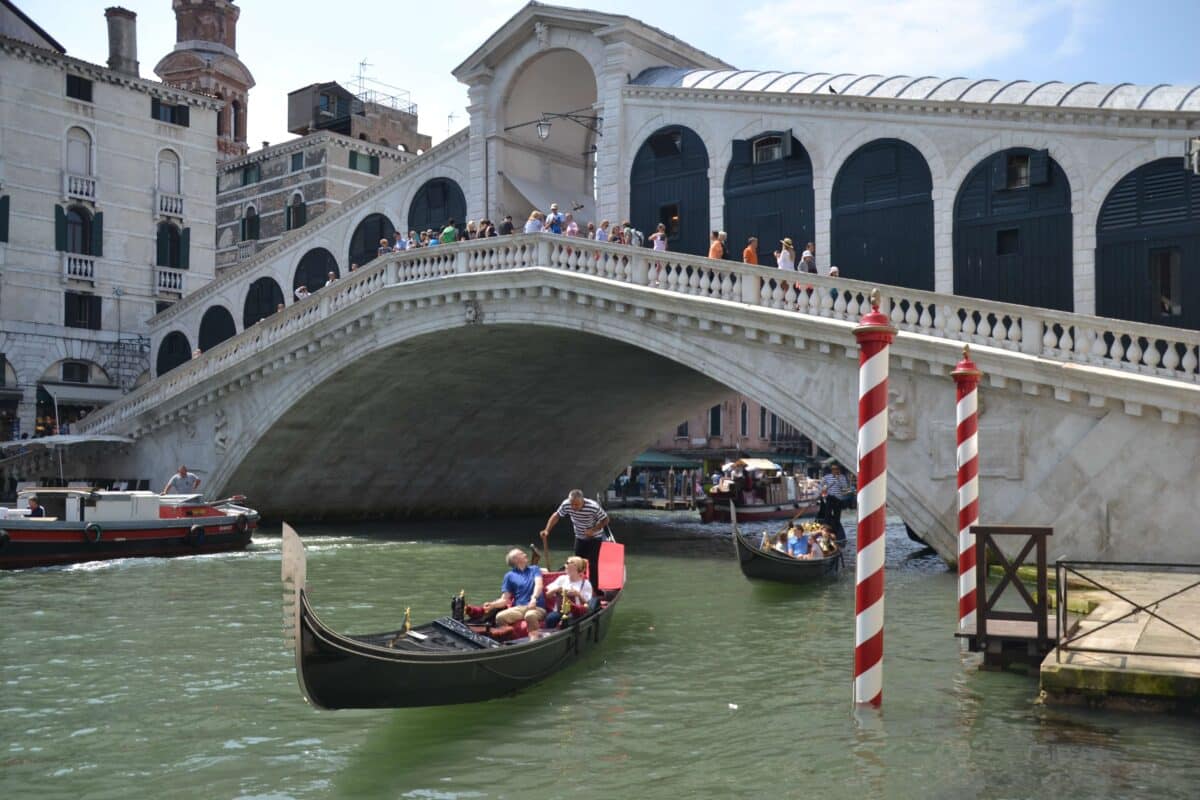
(521, 594)
(799, 543)
(573, 589)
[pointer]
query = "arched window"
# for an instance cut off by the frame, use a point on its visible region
(262, 300)
(745, 427)
(249, 224)
(79, 231)
(364, 245)
(215, 327)
(79, 152)
(173, 351)
(313, 270)
(168, 172)
(669, 184)
(714, 421)
(168, 250)
(235, 118)
(296, 212)
(221, 127)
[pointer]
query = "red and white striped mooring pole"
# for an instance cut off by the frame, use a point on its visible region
(874, 333)
(966, 412)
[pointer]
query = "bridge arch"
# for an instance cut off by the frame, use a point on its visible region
(1148, 247)
(669, 184)
(263, 298)
(436, 202)
(882, 216)
(769, 193)
(1013, 231)
(313, 270)
(364, 242)
(173, 351)
(216, 326)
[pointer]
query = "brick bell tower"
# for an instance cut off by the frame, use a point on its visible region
(205, 60)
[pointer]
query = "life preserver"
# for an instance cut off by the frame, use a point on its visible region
(92, 532)
(3, 538)
(241, 523)
(195, 535)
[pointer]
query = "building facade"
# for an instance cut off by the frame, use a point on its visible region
(373, 116)
(737, 426)
(106, 213)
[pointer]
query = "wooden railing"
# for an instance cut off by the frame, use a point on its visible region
(1064, 337)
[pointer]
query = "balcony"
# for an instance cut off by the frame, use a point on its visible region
(78, 268)
(247, 249)
(169, 281)
(79, 187)
(169, 205)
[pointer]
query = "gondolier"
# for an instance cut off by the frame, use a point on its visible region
(590, 522)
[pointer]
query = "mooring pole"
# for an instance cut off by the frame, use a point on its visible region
(966, 381)
(874, 334)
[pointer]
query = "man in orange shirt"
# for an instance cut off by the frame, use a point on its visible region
(750, 254)
(715, 250)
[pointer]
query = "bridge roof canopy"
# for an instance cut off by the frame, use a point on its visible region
(1047, 94)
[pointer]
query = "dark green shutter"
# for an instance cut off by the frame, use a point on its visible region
(786, 143)
(299, 215)
(185, 246)
(353, 160)
(3, 225)
(183, 116)
(60, 228)
(162, 255)
(93, 301)
(741, 152)
(1039, 168)
(242, 233)
(1000, 172)
(98, 235)
(155, 108)
(374, 165)
(287, 218)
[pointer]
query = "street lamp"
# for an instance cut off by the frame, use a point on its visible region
(542, 123)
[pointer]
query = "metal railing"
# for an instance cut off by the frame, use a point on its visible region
(1068, 572)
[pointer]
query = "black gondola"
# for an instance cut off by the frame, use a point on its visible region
(770, 565)
(442, 662)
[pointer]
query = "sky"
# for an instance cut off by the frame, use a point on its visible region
(288, 44)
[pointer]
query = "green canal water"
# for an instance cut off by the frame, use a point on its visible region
(168, 679)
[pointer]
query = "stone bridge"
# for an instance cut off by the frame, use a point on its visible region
(492, 375)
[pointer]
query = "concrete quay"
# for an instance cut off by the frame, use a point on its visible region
(1151, 664)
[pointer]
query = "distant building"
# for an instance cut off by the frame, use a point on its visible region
(371, 116)
(205, 60)
(265, 194)
(106, 209)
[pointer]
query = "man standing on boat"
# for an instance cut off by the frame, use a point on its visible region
(182, 482)
(589, 521)
(836, 492)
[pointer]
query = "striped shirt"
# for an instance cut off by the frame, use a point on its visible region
(836, 485)
(588, 516)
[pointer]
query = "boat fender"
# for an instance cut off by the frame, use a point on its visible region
(92, 532)
(241, 523)
(195, 535)
(3, 538)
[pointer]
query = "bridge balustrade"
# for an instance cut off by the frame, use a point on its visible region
(1074, 338)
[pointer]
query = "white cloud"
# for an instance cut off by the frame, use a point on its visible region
(940, 37)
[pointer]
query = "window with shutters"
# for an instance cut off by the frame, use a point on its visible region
(79, 88)
(1164, 278)
(250, 224)
(81, 310)
(296, 212)
(745, 426)
(768, 148)
(76, 371)
(714, 421)
(169, 246)
(79, 152)
(681, 431)
(170, 113)
(364, 163)
(251, 173)
(79, 231)
(1017, 172)
(762, 423)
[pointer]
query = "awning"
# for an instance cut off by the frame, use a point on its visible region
(655, 459)
(760, 464)
(63, 440)
(541, 195)
(81, 394)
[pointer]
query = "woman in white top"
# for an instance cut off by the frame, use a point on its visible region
(534, 223)
(573, 588)
(785, 257)
(659, 238)
(602, 231)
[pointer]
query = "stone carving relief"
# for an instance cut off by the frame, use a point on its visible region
(474, 312)
(542, 31)
(901, 422)
(1001, 449)
(220, 434)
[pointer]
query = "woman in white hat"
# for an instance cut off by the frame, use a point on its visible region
(785, 256)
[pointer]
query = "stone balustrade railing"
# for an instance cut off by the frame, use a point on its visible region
(78, 268)
(79, 187)
(170, 205)
(169, 281)
(1127, 346)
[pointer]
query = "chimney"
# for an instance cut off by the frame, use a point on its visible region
(122, 40)
(266, 144)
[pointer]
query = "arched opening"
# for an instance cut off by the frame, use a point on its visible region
(79, 231)
(67, 392)
(249, 224)
(882, 222)
(1012, 231)
(296, 212)
(314, 268)
(262, 300)
(364, 244)
(669, 184)
(557, 167)
(168, 172)
(79, 152)
(1148, 247)
(435, 203)
(173, 351)
(769, 193)
(168, 246)
(215, 327)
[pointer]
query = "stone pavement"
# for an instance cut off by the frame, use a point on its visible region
(1158, 665)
